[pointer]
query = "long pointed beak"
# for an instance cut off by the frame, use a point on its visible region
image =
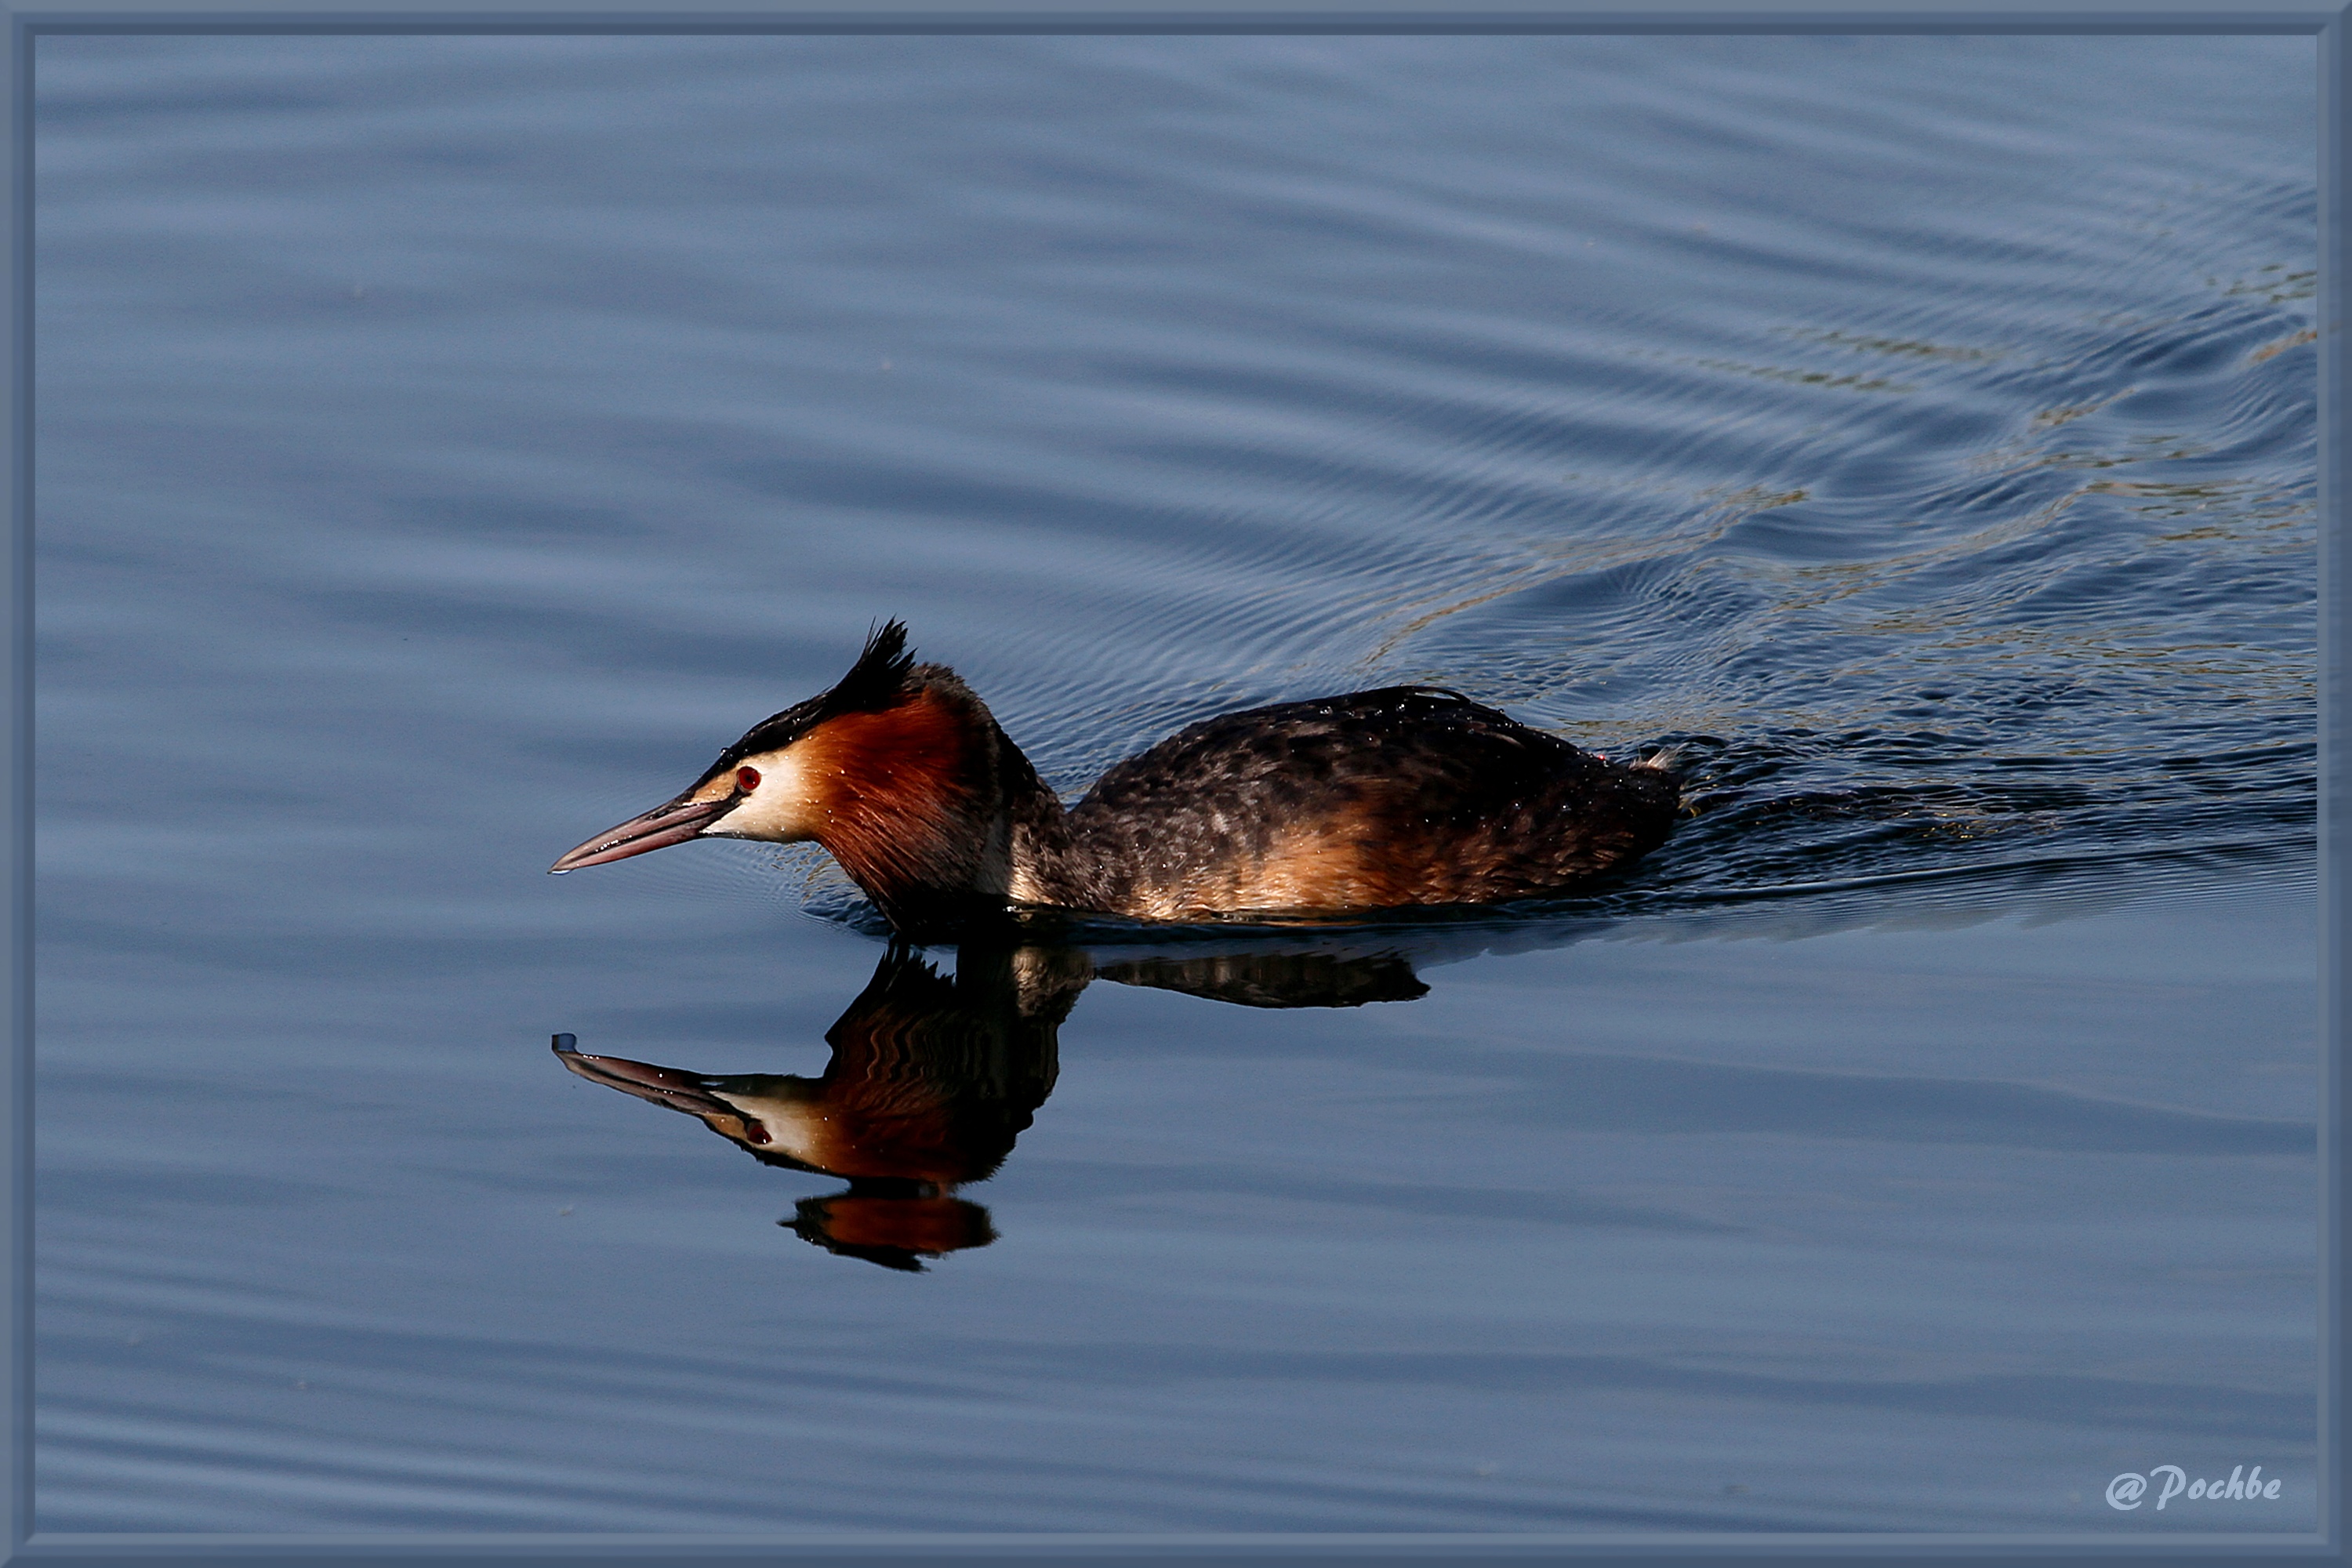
(672, 822)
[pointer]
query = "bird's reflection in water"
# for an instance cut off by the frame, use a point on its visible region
(932, 1079)
(933, 1076)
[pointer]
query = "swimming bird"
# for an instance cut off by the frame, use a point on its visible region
(1409, 795)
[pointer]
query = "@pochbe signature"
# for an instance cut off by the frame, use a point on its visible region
(2129, 1490)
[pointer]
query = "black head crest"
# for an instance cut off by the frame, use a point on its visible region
(878, 677)
(876, 682)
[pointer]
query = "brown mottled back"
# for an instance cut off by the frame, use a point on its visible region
(1377, 799)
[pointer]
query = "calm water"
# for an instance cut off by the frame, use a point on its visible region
(444, 445)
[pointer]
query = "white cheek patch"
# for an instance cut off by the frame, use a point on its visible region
(778, 810)
(793, 1127)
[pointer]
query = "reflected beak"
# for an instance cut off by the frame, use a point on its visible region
(672, 822)
(663, 1085)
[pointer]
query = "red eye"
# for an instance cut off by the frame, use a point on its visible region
(746, 779)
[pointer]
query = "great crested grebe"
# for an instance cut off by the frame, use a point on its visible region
(1407, 795)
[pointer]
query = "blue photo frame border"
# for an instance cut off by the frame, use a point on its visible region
(2324, 20)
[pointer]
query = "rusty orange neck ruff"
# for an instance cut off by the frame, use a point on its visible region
(910, 800)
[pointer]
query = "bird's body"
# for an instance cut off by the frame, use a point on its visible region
(1404, 797)
(1373, 800)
